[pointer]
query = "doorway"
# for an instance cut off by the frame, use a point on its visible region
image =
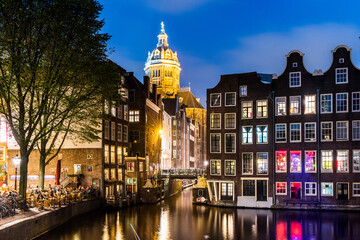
(261, 190)
(295, 188)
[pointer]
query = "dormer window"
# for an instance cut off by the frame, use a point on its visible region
(294, 64)
(341, 75)
(341, 60)
(243, 91)
(295, 79)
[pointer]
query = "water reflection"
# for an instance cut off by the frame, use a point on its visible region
(177, 218)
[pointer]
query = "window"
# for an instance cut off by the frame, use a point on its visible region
(215, 100)
(326, 189)
(326, 103)
(295, 105)
(295, 132)
(230, 142)
(119, 155)
(310, 161)
(215, 121)
(230, 121)
(310, 132)
(126, 117)
(326, 131)
(280, 132)
(262, 109)
(215, 142)
(230, 167)
(227, 191)
(215, 167)
(281, 188)
(262, 163)
(281, 161)
(130, 166)
(243, 91)
(326, 161)
(230, 99)
(356, 130)
(295, 162)
(341, 60)
(119, 132)
(280, 106)
(134, 136)
(310, 106)
(342, 130)
(248, 188)
(113, 110)
(131, 95)
(356, 189)
(112, 154)
(119, 112)
(125, 133)
(356, 160)
(356, 101)
(295, 79)
(295, 64)
(262, 134)
(134, 116)
(247, 159)
(246, 110)
(341, 102)
(106, 174)
(112, 131)
(106, 129)
(141, 166)
(342, 161)
(341, 75)
(106, 153)
(310, 189)
(247, 135)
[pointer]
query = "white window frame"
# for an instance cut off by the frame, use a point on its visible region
(305, 161)
(225, 142)
(309, 140)
(234, 120)
(353, 154)
(230, 160)
(290, 77)
(267, 108)
(332, 189)
(347, 129)
(215, 160)
(332, 132)
(352, 101)
(252, 163)
(267, 170)
(353, 128)
(285, 133)
(225, 99)
(306, 107)
(331, 103)
(291, 161)
(286, 156)
(211, 114)
(219, 144)
(353, 189)
(347, 75)
(291, 134)
(311, 194)
(242, 110)
(211, 94)
(242, 137)
(347, 102)
(337, 161)
(267, 132)
(277, 188)
(290, 101)
(277, 108)
(332, 161)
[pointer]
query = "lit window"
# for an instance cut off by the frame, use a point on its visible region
(310, 189)
(112, 154)
(342, 161)
(341, 102)
(326, 161)
(130, 166)
(246, 110)
(262, 163)
(295, 105)
(243, 91)
(215, 121)
(281, 188)
(106, 129)
(262, 134)
(215, 167)
(341, 75)
(215, 100)
(247, 159)
(119, 154)
(215, 142)
(126, 112)
(356, 189)
(106, 153)
(230, 99)
(230, 168)
(134, 116)
(119, 132)
(106, 174)
(280, 106)
(280, 132)
(230, 142)
(342, 130)
(247, 135)
(356, 130)
(230, 121)
(356, 160)
(295, 79)
(310, 132)
(280, 161)
(310, 161)
(248, 188)
(125, 133)
(295, 132)
(227, 191)
(326, 189)
(261, 109)
(326, 103)
(326, 131)
(310, 106)
(356, 101)
(295, 161)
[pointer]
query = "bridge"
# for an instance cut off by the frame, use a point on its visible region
(190, 173)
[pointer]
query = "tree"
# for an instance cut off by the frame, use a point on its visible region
(49, 57)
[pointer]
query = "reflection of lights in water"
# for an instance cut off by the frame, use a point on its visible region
(281, 231)
(119, 230)
(228, 226)
(296, 231)
(164, 225)
(105, 235)
(76, 236)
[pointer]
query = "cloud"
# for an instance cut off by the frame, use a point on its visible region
(265, 52)
(174, 6)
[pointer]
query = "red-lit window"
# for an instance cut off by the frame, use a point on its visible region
(295, 188)
(310, 161)
(281, 161)
(295, 161)
(281, 188)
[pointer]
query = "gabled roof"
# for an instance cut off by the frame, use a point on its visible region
(189, 100)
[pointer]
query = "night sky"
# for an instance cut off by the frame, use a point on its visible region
(214, 37)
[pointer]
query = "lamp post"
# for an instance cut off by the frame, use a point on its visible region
(16, 161)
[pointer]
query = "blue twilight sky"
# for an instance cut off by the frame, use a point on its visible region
(214, 37)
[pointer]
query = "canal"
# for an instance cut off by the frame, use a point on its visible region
(177, 218)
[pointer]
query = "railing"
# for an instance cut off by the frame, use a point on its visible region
(193, 172)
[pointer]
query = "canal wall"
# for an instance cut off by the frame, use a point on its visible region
(31, 227)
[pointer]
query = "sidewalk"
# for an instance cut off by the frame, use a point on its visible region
(19, 215)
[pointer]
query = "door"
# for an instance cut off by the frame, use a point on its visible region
(261, 190)
(342, 191)
(295, 188)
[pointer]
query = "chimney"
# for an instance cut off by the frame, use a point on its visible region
(147, 86)
(154, 91)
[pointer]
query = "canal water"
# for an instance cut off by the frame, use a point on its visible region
(177, 218)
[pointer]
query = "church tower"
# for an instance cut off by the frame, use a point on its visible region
(163, 68)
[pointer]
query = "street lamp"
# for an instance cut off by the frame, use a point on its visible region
(16, 161)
